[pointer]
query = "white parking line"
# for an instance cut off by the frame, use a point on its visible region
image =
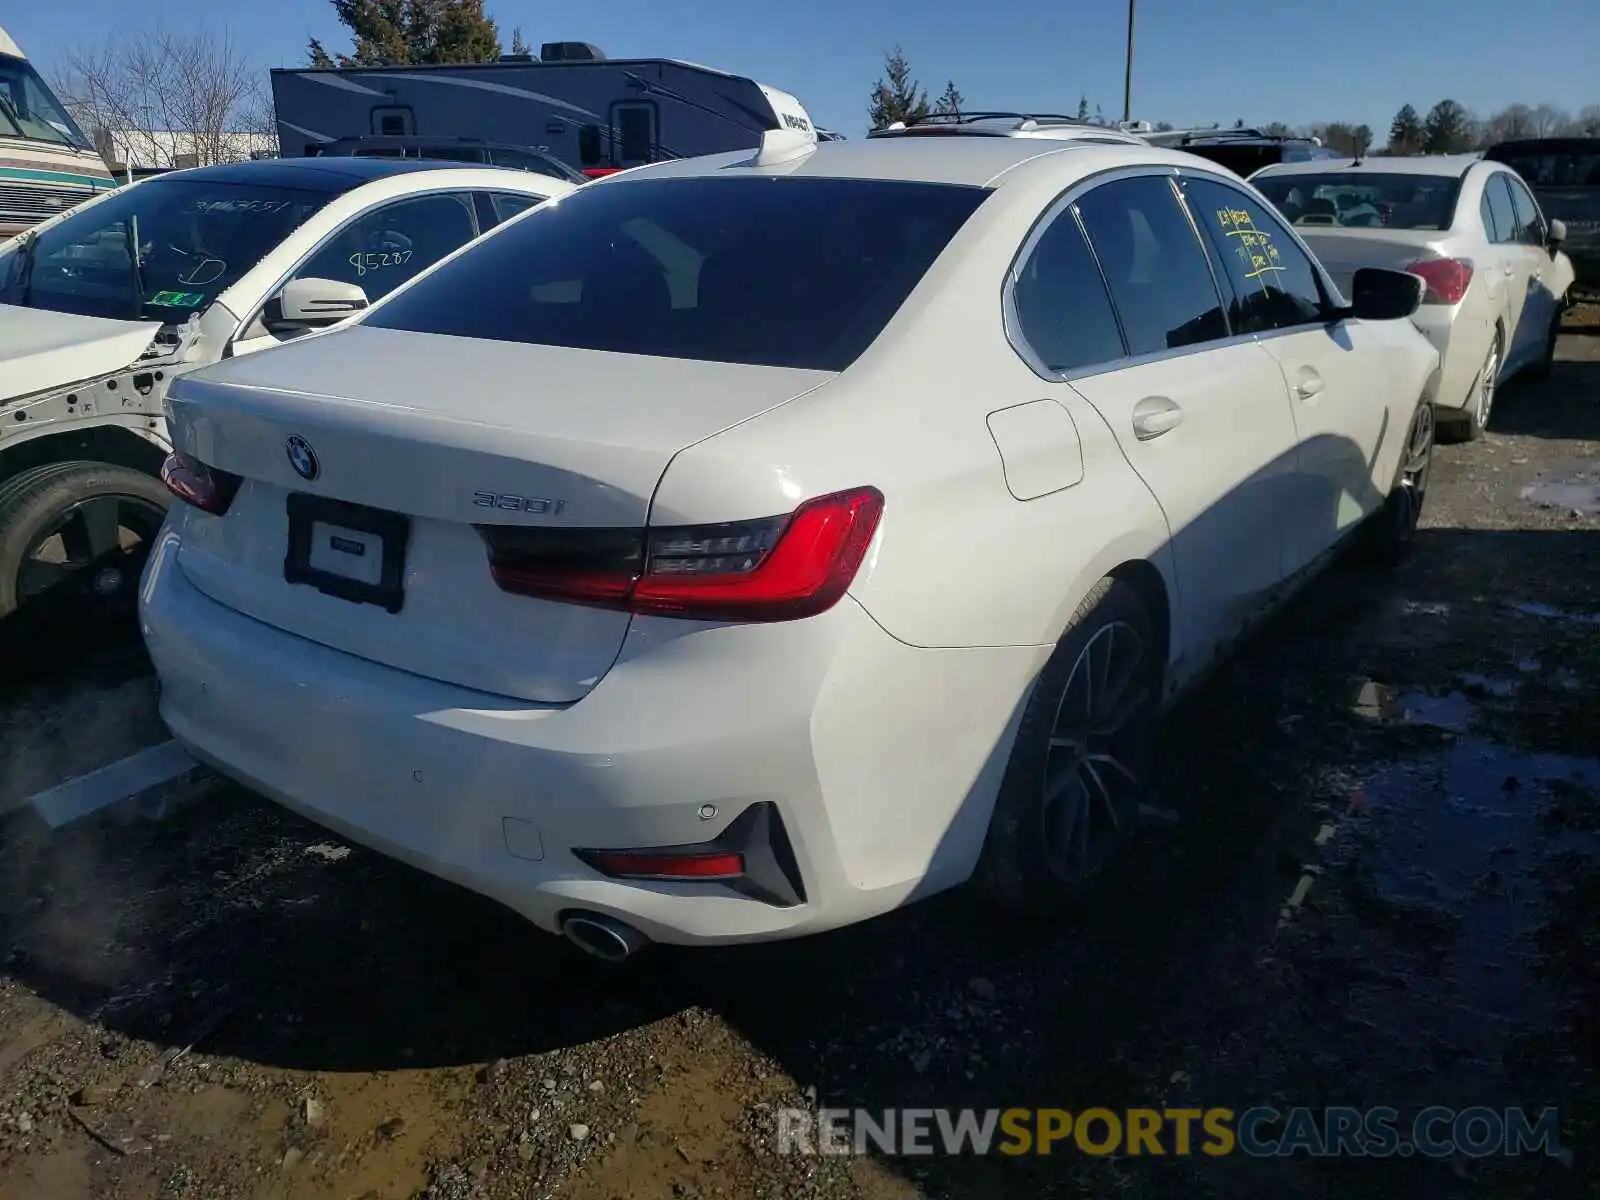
(122, 780)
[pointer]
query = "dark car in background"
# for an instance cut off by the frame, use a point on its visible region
(1564, 174)
(1242, 151)
(451, 149)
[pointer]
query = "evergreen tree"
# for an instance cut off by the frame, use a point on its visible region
(1406, 134)
(896, 96)
(950, 100)
(1447, 128)
(412, 31)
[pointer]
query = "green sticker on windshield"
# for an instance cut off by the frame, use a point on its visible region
(178, 299)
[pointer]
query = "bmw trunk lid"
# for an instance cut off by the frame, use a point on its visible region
(367, 458)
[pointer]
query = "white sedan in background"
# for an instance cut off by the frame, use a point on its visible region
(747, 545)
(101, 307)
(1497, 282)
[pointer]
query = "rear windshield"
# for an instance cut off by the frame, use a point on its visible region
(774, 272)
(1570, 169)
(1368, 200)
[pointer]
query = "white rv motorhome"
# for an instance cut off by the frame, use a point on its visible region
(47, 165)
(596, 114)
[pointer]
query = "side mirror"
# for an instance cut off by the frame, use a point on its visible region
(1555, 235)
(1377, 294)
(313, 302)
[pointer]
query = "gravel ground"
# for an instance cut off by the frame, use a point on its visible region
(1372, 882)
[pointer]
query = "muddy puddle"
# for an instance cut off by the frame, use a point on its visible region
(1571, 490)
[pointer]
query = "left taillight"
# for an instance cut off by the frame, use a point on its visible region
(770, 569)
(191, 481)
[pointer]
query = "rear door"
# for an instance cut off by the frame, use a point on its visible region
(1334, 374)
(1539, 304)
(1200, 414)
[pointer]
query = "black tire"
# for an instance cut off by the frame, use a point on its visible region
(35, 500)
(1542, 369)
(1391, 532)
(1020, 867)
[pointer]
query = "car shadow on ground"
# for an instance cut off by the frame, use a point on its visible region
(1567, 405)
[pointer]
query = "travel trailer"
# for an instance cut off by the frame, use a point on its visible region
(47, 165)
(596, 114)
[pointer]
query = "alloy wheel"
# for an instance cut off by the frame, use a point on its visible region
(1091, 778)
(93, 550)
(1486, 385)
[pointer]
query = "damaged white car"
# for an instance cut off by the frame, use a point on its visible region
(101, 306)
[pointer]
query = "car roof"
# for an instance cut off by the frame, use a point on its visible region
(973, 162)
(310, 174)
(1451, 166)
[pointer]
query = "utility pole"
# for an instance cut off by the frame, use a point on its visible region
(1127, 79)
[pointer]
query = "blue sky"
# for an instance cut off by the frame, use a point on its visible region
(1262, 60)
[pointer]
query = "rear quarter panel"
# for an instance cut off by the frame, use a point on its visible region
(958, 560)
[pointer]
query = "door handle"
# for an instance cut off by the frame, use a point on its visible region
(1508, 270)
(1155, 415)
(1310, 385)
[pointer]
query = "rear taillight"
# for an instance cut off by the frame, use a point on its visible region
(1447, 279)
(599, 172)
(191, 481)
(772, 569)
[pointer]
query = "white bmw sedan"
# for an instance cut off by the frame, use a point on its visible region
(745, 546)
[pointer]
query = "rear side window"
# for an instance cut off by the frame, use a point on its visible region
(472, 154)
(1530, 223)
(1501, 213)
(1156, 268)
(786, 272)
(1063, 310)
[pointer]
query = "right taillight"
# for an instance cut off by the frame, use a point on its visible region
(599, 172)
(769, 569)
(191, 481)
(1447, 279)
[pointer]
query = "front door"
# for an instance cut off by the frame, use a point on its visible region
(635, 132)
(1348, 441)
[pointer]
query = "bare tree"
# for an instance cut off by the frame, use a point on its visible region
(166, 98)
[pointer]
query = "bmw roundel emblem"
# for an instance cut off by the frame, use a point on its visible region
(302, 457)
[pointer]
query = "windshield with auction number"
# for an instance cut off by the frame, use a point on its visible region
(160, 250)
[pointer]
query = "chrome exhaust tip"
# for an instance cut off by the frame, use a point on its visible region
(603, 937)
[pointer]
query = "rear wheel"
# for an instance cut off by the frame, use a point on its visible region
(1480, 405)
(1392, 530)
(74, 538)
(1082, 761)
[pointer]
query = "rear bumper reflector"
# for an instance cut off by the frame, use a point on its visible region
(752, 856)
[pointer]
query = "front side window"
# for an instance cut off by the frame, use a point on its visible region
(383, 248)
(786, 272)
(29, 110)
(1274, 284)
(1063, 310)
(1501, 211)
(159, 250)
(1530, 221)
(1156, 269)
(1364, 199)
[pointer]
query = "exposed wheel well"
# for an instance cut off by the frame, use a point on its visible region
(1152, 589)
(102, 443)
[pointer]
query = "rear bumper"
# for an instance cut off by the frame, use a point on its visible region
(1462, 343)
(880, 759)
